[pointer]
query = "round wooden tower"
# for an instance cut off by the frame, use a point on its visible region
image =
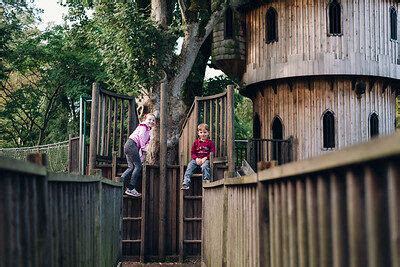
(326, 72)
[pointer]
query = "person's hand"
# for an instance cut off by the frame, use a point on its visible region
(199, 161)
(203, 160)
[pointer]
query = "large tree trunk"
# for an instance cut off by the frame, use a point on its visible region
(194, 37)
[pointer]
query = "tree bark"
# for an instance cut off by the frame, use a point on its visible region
(194, 37)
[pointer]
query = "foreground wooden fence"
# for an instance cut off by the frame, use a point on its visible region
(341, 209)
(57, 220)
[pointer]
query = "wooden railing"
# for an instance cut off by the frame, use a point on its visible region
(113, 118)
(217, 112)
(57, 219)
(255, 150)
(340, 209)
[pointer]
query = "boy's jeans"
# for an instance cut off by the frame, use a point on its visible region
(205, 169)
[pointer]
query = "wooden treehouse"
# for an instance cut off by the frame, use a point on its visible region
(323, 76)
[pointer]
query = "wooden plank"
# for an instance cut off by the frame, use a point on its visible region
(163, 168)
(143, 223)
(93, 127)
(121, 130)
(108, 136)
(230, 130)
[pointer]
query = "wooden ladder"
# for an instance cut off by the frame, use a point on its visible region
(133, 220)
(190, 219)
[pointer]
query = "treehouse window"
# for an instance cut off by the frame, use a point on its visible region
(393, 23)
(334, 16)
(329, 129)
(373, 125)
(229, 23)
(277, 134)
(256, 126)
(271, 26)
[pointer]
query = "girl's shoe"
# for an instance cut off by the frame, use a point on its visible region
(132, 192)
(184, 187)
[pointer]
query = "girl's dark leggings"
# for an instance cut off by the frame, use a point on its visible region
(131, 176)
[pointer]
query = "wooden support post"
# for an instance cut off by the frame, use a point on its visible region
(230, 130)
(69, 153)
(143, 215)
(93, 127)
(163, 168)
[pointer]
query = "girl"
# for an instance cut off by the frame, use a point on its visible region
(135, 151)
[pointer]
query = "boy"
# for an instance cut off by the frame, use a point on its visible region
(201, 149)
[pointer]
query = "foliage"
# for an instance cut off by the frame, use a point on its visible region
(243, 105)
(133, 49)
(46, 74)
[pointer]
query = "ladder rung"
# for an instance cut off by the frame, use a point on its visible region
(197, 175)
(132, 218)
(132, 241)
(193, 197)
(191, 241)
(192, 219)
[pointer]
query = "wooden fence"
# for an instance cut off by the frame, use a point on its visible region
(340, 209)
(57, 220)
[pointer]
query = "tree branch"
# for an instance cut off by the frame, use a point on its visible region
(182, 8)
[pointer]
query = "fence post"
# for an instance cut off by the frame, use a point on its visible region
(230, 130)
(69, 153)
(93, 127)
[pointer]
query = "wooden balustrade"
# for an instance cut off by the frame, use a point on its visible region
(340, 209)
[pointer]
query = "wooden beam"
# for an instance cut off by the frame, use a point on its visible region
(163, 168)
(230, 130)
(93, 126)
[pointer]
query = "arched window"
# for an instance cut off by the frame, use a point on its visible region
(271, 26)
(277, 134)
(373, 125)
(256, 126)
(393, 23)
(334, 18)
(229, 23)
(329, 129)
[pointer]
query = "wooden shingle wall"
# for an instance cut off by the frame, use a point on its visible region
(304, 47)
(301, 104)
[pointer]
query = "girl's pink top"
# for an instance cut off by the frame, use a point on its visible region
(141, 136)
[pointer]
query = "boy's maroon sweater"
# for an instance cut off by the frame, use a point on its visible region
(201, 149)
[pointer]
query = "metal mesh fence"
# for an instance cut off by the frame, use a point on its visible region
(57, 154)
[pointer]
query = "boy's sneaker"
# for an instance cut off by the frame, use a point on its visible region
(206, 181)
(132, 192)
(184, 187)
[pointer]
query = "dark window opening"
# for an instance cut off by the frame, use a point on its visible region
(271, 26)
(329, 130)
(373, 125)
(277, 134)
(256, 126)
(393, 23)
(334, 15)
(228, 23)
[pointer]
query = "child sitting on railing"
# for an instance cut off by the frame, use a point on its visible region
(201, 149)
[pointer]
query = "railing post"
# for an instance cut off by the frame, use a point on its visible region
(93, 127)
(69, 153)
(290, 148)
(230, 135)
(163, 168)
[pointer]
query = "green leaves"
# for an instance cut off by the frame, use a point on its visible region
(133, 49)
